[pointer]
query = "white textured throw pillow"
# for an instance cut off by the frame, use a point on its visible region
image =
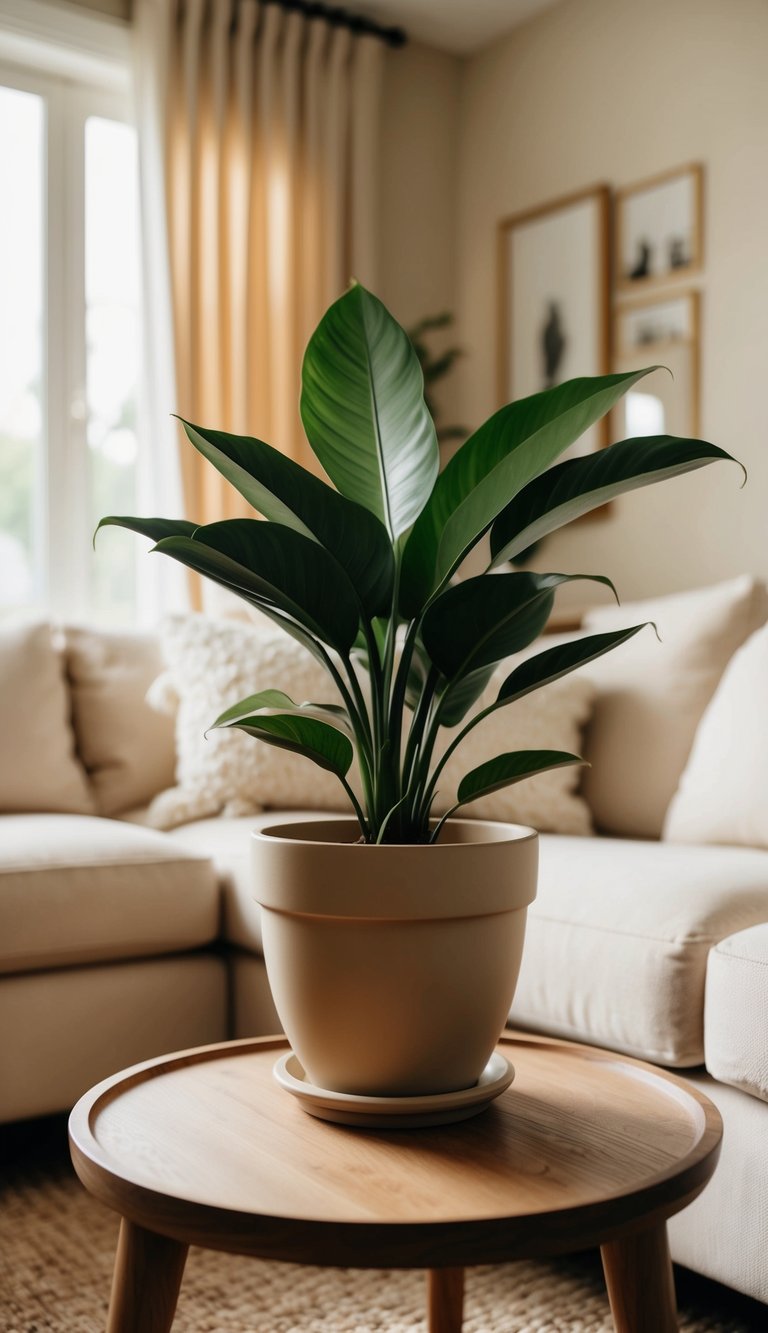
(723, 793)
(213, 664)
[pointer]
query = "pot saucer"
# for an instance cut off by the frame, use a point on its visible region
(442, 1108)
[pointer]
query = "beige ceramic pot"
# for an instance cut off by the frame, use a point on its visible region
(393, 968)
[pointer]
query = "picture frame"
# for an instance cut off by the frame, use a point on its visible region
(662, 329)
(659, 228)
(553, 269)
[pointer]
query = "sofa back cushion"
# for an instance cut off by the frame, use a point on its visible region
(213, 664)
(39, 769)
(127, 748)
(723, 792)
(651, 697)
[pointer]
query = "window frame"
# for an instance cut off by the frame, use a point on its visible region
(80, 65)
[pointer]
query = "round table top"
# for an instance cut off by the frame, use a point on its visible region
(204, 1146)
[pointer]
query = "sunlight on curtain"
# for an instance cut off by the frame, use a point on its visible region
(159, 480)
(270, 133)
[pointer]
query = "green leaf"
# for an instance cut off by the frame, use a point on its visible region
(556, 662)
(463, 693)
(286, 493)
(325, 745)
(264, 699)
(277, 701)
(579, 485)
(485, 619)
(362, 404)
(514, 445)
(507, 769)
(275, 565)
(418, 671)
(155, 528)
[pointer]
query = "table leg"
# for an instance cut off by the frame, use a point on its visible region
(641, 1288)
(145, 1286)
(446, 1299)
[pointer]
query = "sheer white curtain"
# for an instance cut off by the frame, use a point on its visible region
(261, 132)
(164, 585)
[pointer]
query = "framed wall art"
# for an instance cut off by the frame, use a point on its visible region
(663, 330)
(659, 228)
(553, 289)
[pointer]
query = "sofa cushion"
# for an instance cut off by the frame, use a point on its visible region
(651, 697)
(617, 940)
(38, 766)
(552, 718)
(77, 889)
(723, 792)
(63, 1031)
(127, 748)
(736, 1011)
(228, 842)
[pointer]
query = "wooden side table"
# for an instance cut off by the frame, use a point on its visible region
(586, 1148)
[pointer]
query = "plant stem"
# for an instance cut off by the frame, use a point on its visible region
(359, 721)
(401, 684)
(361, 819)
(443, 760)
(420, 717)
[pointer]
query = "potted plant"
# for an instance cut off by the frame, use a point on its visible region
(392, 939)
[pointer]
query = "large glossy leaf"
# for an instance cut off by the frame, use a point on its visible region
(418, 671)
(514, 445)
(362, 404)
(485, 619)
(276, 565)
(559, 661)
(286, 493)
(507, 769)
(325, 745)
(276, 701)
(504, 771)
(245, 707)
(579, 485)
(464, 692)
(155, 528)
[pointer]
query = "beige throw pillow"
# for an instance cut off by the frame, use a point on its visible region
(552, 718)
(39, 769)
(126, 747)
(723, 793)
(651, 697)
(213, 664)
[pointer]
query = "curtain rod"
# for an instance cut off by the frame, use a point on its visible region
(342, 18)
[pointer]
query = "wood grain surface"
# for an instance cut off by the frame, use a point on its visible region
(585, 1147)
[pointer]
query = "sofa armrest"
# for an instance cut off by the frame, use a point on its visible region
(736, 1011)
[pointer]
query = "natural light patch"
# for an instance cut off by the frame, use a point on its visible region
(22, 129)
(644, 415)
(112, 293)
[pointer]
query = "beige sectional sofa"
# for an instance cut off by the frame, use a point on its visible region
(119, 942)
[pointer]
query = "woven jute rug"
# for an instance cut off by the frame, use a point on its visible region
(57, 1246)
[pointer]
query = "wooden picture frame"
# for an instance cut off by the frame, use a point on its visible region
(659, 228)
(663, 329)
(553, 267)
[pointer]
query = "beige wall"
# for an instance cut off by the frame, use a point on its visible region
(119, 9)
(608, 90)
(418, 195)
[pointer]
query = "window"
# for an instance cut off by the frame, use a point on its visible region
(70, 351)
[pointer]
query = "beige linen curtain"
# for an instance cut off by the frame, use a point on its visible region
(270, 134)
